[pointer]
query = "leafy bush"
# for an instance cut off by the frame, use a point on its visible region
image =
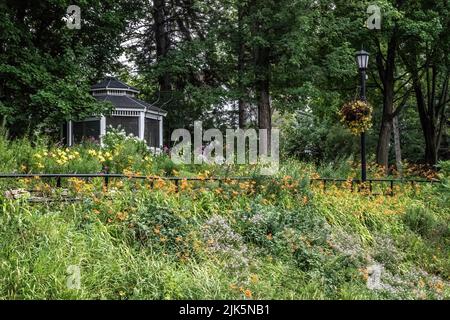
(423, 222)
(221, 239)
(116, 138)
(283, 232)
(161, 228)
(167, 166)
(311, 139)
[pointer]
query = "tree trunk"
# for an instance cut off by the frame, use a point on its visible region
(242, 108)
(241, 70)
(264, 109)
(431, 88)
(428, 120)
(261, 55)
(384, 138)
(162, 40)
(397, 146)
(387, 74)
(262, 88)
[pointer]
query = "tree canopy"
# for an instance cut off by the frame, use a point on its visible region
(241, 63)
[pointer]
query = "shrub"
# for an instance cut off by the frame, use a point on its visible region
(222, 240)
(166, 166)
(280, 231)
(420, 220)
(116, 138)
(159, 227)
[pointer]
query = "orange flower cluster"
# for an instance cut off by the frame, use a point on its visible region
(81, 186)
(247, 292)
(288, 183)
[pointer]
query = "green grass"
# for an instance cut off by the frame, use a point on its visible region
(280, 239)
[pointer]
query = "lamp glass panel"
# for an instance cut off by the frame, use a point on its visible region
(366, 62)
(363, 60)
(360, 61)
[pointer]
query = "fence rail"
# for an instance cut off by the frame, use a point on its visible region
(107, 176)
(370, 182)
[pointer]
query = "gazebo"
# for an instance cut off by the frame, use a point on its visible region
(135, 116)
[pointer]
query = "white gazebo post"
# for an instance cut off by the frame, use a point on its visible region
(102, 128)
(141, 125)
(69, 133)
(161, 132)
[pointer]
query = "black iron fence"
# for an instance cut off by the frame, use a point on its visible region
(355, 184)
(369, 184)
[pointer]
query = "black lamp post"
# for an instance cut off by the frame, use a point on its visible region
(362, 59)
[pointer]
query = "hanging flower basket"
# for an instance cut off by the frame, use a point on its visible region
(357, 116)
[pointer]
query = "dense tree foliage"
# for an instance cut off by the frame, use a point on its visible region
(239, 63)
(46, 68)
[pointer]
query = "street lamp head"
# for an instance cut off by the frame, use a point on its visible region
(362, 59)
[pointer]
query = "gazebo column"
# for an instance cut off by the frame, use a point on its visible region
(70, 133)
(161, 132)
(102, 128)
(141, 125)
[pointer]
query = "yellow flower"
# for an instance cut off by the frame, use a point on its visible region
(121, 216)
(233, 286)
(127, 172)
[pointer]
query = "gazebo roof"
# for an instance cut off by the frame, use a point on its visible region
(113, 83)
(126, 101)
(122, 95)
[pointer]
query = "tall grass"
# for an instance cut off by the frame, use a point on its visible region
(276, 239)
